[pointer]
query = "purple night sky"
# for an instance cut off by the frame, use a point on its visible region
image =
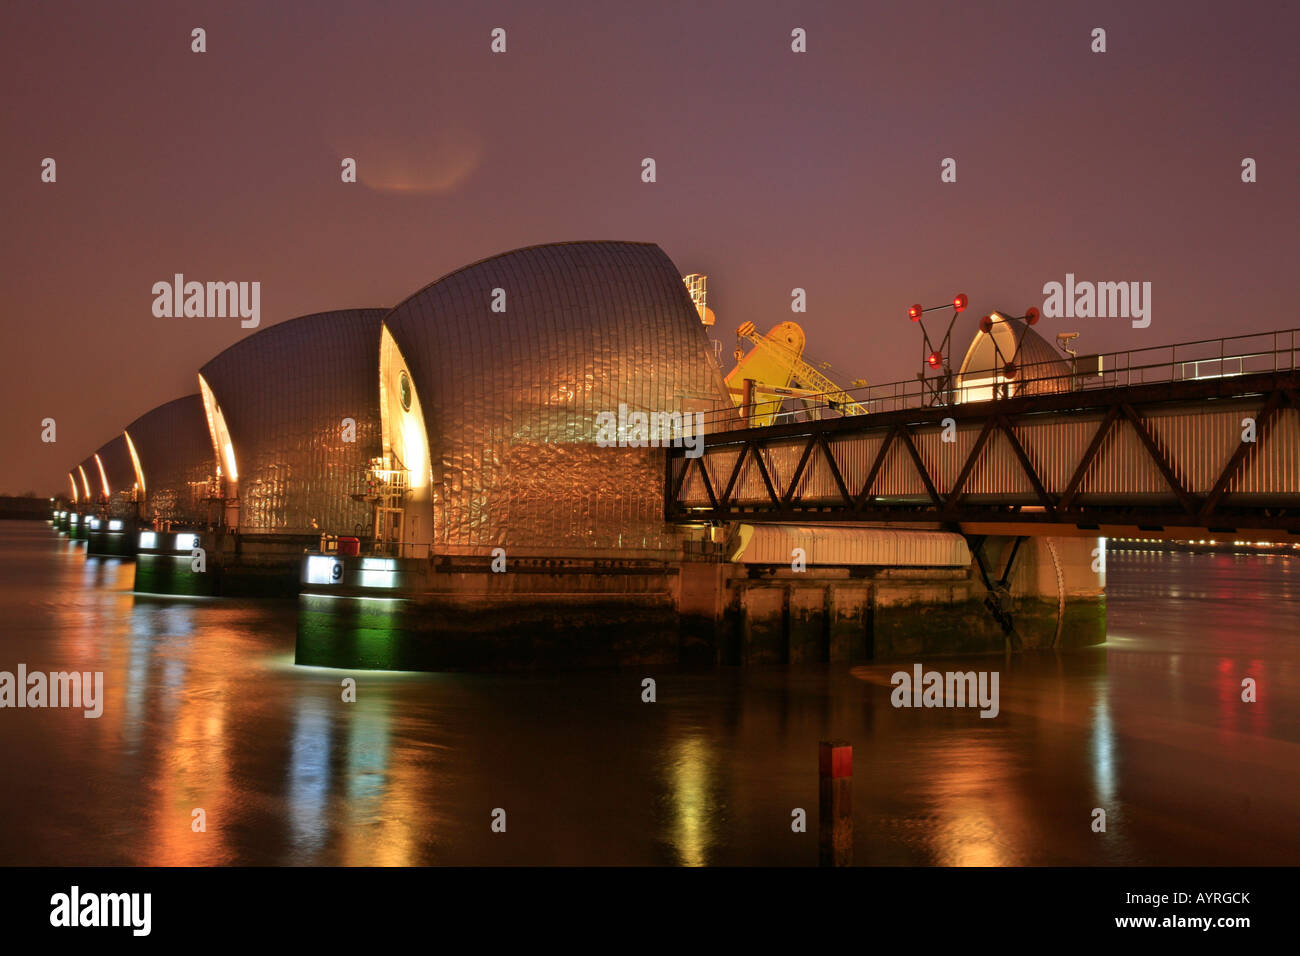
(775, 170)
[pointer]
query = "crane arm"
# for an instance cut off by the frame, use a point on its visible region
(807, 376)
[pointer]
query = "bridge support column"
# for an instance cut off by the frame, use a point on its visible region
(770, 613)
(1062, 597)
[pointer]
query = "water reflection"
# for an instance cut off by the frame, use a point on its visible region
(309, 776)
(206, 709)
(367, 632)
(1103, 748)
(971, 792)
(692, 798)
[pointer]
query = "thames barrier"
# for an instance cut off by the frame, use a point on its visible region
(538, 460)
(568, 439)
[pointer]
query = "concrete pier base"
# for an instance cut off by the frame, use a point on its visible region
(700, 606)
(777, 615)
(457, 614)
(115, 538)
(214, 563)
(404, 634)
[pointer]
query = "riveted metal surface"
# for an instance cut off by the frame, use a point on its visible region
(175, 454)
(119, 473)
(510, 398)
(285, 392)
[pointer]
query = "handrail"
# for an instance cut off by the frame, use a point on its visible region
(1118, 369)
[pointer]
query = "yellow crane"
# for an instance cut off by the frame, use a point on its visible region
(774, 370)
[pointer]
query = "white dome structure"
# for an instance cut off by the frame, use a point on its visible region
(1010, 359)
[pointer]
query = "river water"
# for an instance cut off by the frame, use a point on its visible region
(204, 709)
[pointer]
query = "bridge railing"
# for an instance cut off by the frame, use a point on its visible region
(1185, 361)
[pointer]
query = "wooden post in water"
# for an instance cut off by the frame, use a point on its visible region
(835, 803)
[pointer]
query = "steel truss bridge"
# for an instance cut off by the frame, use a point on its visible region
(1155, 444)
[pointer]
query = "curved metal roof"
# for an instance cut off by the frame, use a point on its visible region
(284, 393)
(510, 398)
(87, 473)
(118, 470)
(175, 455)
(1013, 340)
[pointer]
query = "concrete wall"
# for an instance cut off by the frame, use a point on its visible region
(565, 612)
(454, 612)
(774, 615)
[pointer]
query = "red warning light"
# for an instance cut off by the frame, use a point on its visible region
(935, 360)
(1009, 370)
(959, 303)
(1032, 316)
(986, 324)
(914, 313)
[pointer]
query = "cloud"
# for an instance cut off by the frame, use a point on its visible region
(419, 163)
